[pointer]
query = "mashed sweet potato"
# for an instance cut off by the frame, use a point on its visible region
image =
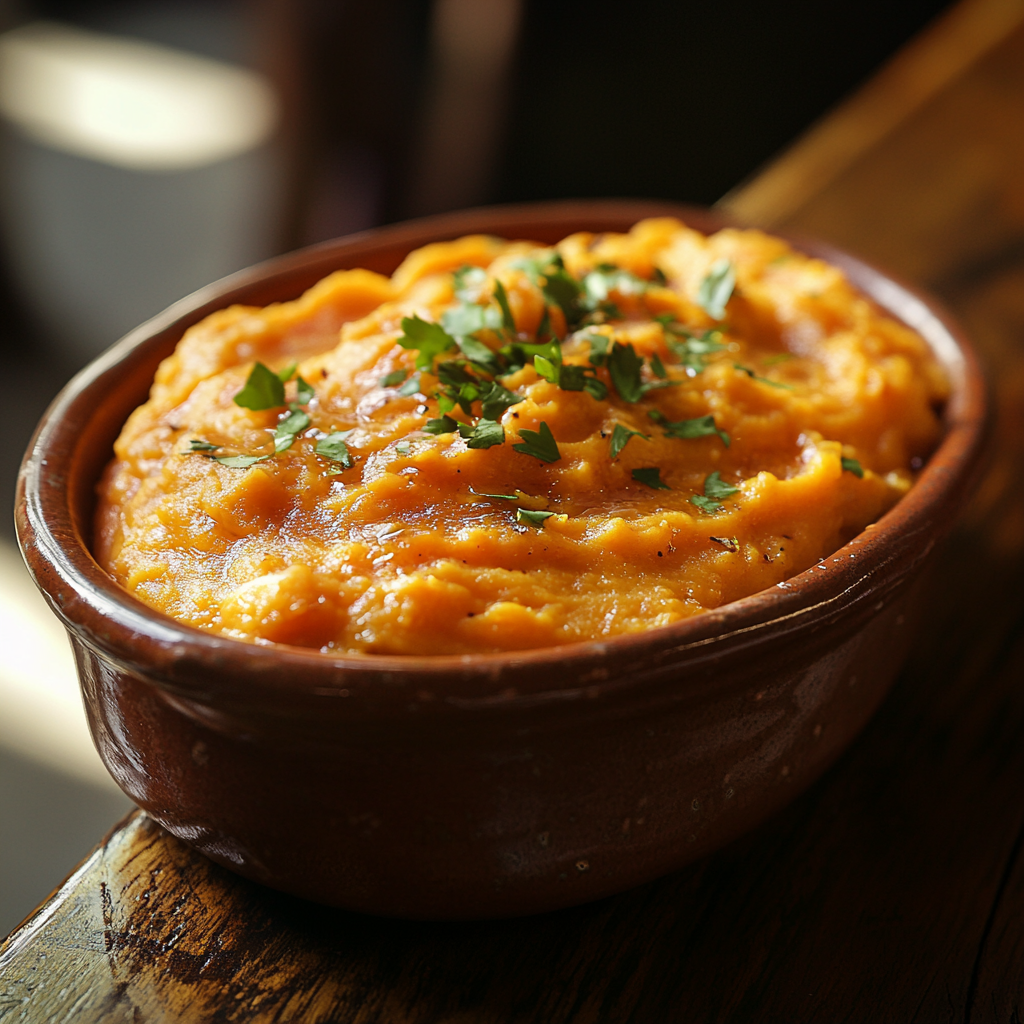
(514, 446)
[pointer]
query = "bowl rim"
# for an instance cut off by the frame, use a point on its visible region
(110, 619)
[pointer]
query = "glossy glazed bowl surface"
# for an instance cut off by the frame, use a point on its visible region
(478, 786)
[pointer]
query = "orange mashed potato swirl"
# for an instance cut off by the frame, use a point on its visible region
(509, 446)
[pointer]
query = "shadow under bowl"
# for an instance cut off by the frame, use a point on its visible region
(484, 785)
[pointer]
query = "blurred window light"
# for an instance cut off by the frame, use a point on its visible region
(127, 103)
(41, 713)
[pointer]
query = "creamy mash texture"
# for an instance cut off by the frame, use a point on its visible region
(513, 446)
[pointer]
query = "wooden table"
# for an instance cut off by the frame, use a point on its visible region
(892, 891)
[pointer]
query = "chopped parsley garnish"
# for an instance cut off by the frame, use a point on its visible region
(624, 365)
(600, 283)
(558, 286)
(284, 433)
(699, 426)
(495, 399)
(526, 515)
(263, 389)
(479, 354)
(429, 340)
(501, 497)
(287, 373)
(658, 367)
(304, 392)
(568, 376)
(486, 434)
(240, 461)
(598, 348)
(403, 447)
(410, 387)
(852, 466)
(389, 380)
(501, 296)
(717, 287)
(469, 318)
(333, 447)
(688, 347)
(546, 368)
(651, 477)
(538, 443)
(715, 490)
(621, 436)
(467, 282)
(197, 445)
(441, 425)
(761, 380)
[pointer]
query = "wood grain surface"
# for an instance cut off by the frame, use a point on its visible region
(892, 891)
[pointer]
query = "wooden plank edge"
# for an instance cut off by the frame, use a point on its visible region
(24, 934)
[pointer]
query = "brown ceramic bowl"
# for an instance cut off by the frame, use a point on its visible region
(486, 785)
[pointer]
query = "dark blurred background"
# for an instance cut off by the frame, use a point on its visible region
(149, 147)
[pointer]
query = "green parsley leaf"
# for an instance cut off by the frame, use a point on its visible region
(599, 284)
(467, 282)
(544, 327)
(197, 445)
(539, 443)
(572, 377)
(477, 352)
(304, 392)
(403, 447)
(624, 365)
(699, 426)
(557, 285)
(651, 477)
(485, 434)
(549, 349)
(598, 348)
(502, 497)
(495, 400)
(621, 436)
(429, 340)
(287, 373)
(506, 312)
(708, 505)
(284, 433)
(333, 447)
(715, 489)
(546, 369)
(410, 387)
(717, 287)
(762, 380)
(852, 466)
(659, 277)
(263, 389)
(597, 389)
(441, 425)
(658, 367)
(240, 461)
(389, 380)
(469, 318)
(534, 518)
(691, 348)
(454, 374)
